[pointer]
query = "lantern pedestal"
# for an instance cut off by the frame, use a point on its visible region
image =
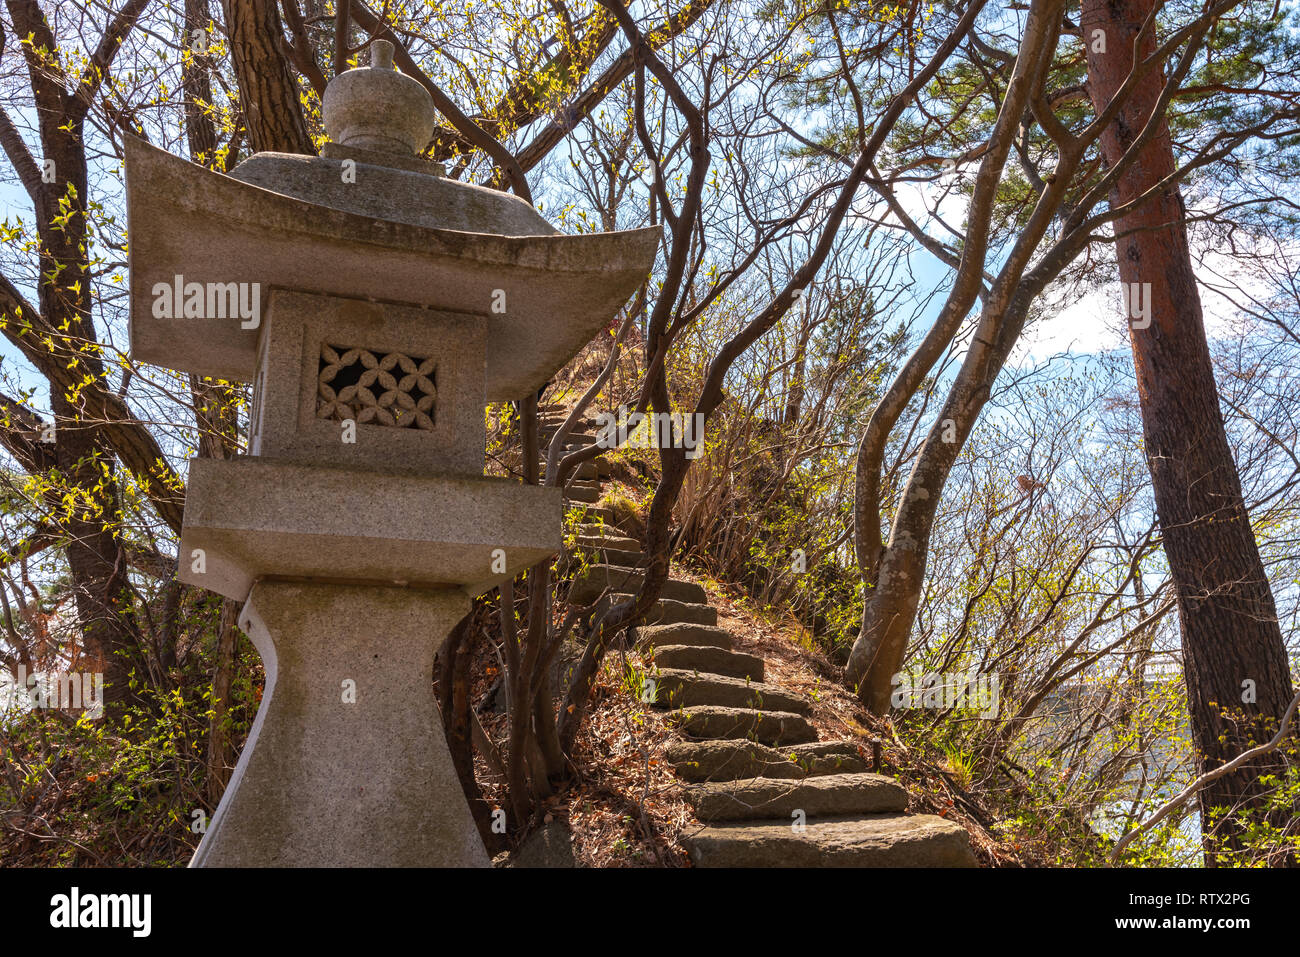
(347, 763)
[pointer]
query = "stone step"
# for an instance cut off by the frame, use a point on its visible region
(684, 689)
(709, 660)
(829, 749)
(597, 578)
(726, 760)
(586, 472)
(592, 514)
(611, 556)
(571, 563)
(879, 840)
(666, 611)
(615, 556)
(769, 727)
(830, 757)
(774, 799)
(544, 449)
(683, 633)
(730, 760)
(588, 495)
(567, 447)
(609, 536)
(554, 418)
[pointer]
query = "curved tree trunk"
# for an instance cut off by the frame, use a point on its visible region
(895, 571)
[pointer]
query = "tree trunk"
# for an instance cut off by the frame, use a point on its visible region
(455, 701)
(268, 92)
(220, 758)
(1232, 642)
(197, 86)
(795, 394)
(96, 563)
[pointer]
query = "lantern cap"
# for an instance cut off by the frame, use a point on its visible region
(378, 108)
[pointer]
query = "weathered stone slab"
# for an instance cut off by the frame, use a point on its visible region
(607, 537)
(769, 727)
(685, 688)
(830, 757)
(550, 846)
(826, 749)
(597, 578)
(708, 660)
(668, 612)
(682, 633)
(596, 514)
(884, 840)
(612, 556)
(818, 796)
(730, 760)
(581, 494)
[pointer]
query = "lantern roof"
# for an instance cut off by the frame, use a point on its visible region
(369, 220)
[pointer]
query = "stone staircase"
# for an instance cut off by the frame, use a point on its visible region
(765, 790)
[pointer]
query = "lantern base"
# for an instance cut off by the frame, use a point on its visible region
(347, 764)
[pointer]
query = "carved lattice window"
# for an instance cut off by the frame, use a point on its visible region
(381, 388)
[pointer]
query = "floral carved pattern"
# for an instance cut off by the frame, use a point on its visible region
(379, 388)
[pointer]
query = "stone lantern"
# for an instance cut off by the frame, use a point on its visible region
(377, 307)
